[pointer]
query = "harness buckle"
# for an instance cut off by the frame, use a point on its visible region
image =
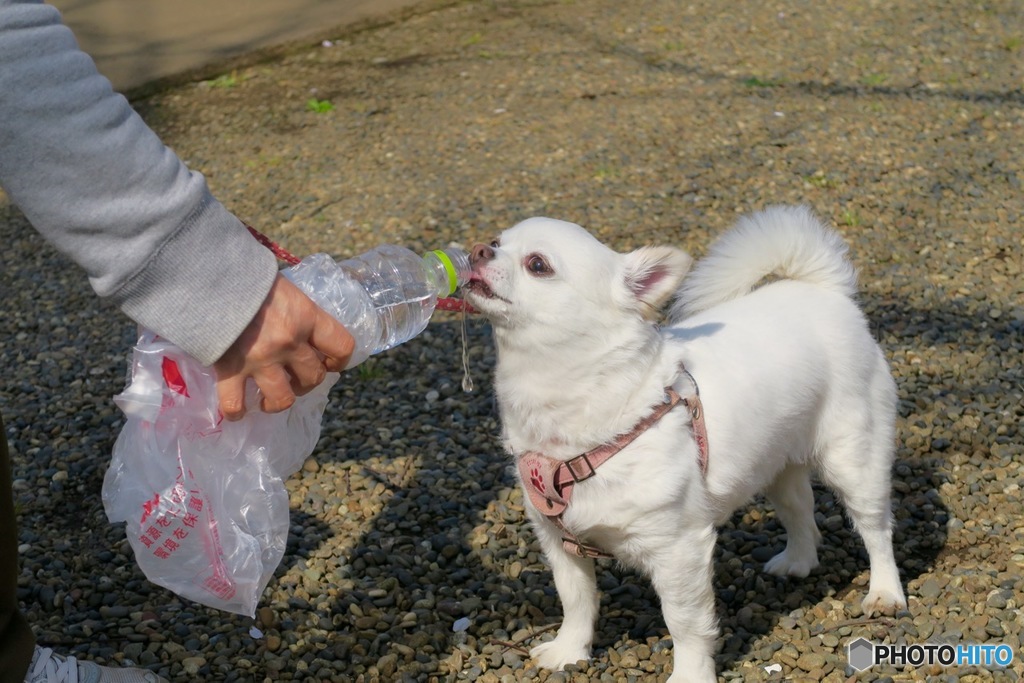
(580, 549)
(583, 475)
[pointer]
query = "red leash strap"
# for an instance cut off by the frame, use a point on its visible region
(453, 304)
(278, 251)
(443, 304)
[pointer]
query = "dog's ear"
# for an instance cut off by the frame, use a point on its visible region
(652, 276)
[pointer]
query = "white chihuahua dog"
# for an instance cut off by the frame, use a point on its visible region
(636, 441)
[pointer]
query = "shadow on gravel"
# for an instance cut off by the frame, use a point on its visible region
(956, 321)
(752, 603)
(657, 61)
(433, 465)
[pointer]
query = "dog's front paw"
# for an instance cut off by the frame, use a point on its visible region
(555, 655)
(883, 602)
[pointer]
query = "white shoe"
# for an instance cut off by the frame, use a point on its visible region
(49, 667)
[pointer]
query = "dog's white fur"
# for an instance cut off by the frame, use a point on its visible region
(791, 380)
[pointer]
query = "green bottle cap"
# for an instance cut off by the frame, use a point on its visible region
(449, 268)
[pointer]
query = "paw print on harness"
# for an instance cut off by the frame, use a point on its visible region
(537, 480)
(539, 477)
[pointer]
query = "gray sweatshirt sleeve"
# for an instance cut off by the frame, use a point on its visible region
(98, 184)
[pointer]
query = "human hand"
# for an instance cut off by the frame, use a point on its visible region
(288, 348)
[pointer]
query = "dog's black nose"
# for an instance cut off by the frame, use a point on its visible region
(480, 252)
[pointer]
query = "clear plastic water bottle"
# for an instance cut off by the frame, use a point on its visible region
(383, 297)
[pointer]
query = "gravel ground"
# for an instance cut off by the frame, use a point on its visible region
(649, 121)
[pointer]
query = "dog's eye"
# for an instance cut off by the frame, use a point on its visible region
(537, 265)
(495, 244)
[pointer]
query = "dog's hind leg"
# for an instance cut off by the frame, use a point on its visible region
(793, 498)
(858, 469)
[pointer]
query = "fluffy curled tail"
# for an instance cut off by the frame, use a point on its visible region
(789, 242)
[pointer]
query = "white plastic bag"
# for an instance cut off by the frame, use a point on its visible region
(203, 498)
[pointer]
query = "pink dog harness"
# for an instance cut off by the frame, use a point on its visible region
(549, 482)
